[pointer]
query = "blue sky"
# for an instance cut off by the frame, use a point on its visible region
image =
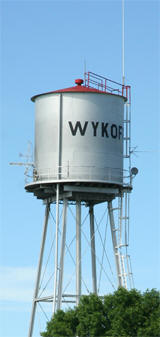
(43, 48)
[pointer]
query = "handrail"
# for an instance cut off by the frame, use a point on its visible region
(79, 172)
(102, 83)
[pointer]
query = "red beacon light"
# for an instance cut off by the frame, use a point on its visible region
(79, 81)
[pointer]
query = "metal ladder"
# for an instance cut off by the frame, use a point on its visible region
(119, 222)
(119, 215)
(127, 140)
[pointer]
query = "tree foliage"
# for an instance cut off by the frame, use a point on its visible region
(91, 318)
(63, 324)
(124, 313)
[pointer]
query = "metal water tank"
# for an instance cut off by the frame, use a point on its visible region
(79, 136)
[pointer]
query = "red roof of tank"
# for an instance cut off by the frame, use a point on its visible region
(77, 88)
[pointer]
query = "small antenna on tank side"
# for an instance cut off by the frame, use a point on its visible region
(28, 162)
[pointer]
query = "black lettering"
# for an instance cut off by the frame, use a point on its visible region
(114, 131)
(95, 125)
(120, 131)
(104, 129)
(79, 127)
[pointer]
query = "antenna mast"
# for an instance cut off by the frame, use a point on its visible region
(123, 36)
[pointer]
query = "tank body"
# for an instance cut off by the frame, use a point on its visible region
(79, 137)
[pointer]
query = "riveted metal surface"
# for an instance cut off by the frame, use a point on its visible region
(79, 137)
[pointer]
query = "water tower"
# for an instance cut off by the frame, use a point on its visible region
(82, 159)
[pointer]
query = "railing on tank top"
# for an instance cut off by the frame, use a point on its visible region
(79, 173)
(92, 80)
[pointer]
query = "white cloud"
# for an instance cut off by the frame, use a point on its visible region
(17, 283)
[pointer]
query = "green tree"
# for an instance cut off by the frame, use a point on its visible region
(63, 324)
(124, 313)
(91, 319)
(150, 308)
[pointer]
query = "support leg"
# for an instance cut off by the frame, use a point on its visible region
(39, 270)
(93, 251)
(56, 252)
(78, 251)
(115, 246)
(62, 254)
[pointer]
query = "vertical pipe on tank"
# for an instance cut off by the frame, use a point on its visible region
(62, 254)
(60, 138)
(115, 245)
(93, 250)
(59, 170)
(78, 251)
(47, 210)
